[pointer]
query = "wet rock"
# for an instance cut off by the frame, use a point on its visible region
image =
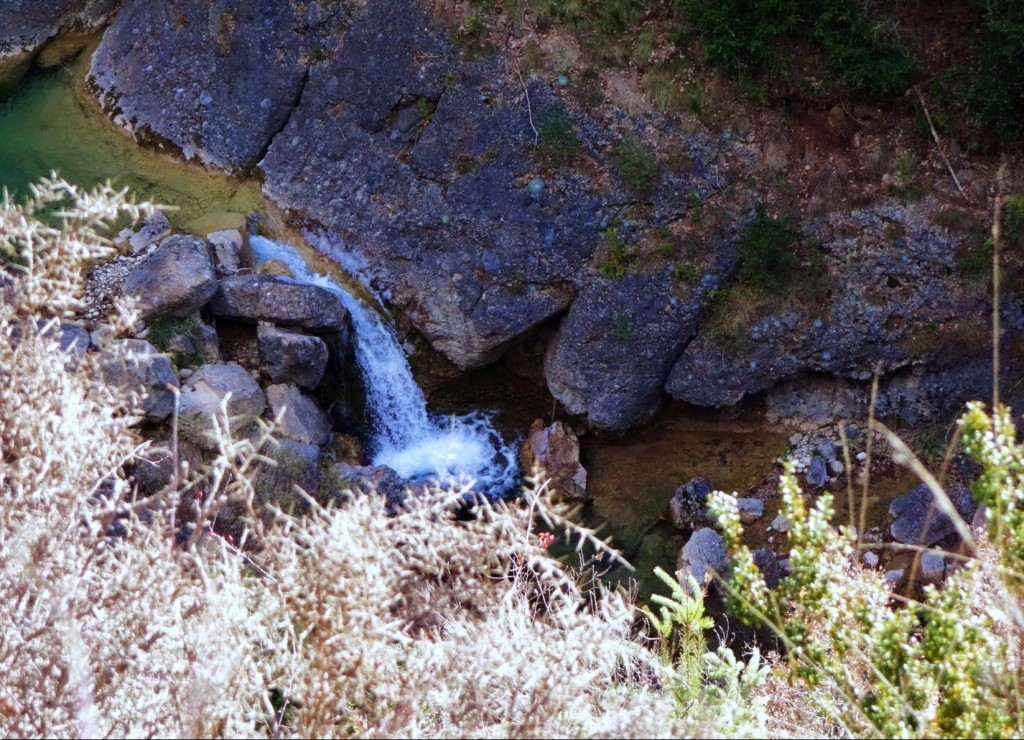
(378, 480)
(917, 521)
(289, 357)
(297, 415)
(215, 83)
(933, 568)
(703, 556)
(151, 231)
(295, 465)
(556, 449)
(27, 25)
(210, 386)
(255, 298)
(227, 250)
(750, 509)
(894, 577)
(817, 473)
(143, 373)
(176, 279)
(689, 505)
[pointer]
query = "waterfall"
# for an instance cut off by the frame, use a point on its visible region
(450, 451)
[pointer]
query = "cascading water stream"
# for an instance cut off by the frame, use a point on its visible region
(452, 451)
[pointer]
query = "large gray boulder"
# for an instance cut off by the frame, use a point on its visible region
(27, 25)
(176, 279)
(143, 373)
(290, 357)
(297, 415)
(213, 81)
(423, 161)
(613, 351)
(255, 298)
(379, 480)
(917, 520)
(204, 392)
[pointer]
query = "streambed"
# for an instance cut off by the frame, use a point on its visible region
(49, 123)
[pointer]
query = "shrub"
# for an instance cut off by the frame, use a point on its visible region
(997, 90)
(558, 138)
(742, 37)
(638, 166)
(946, 667)
(766, 249)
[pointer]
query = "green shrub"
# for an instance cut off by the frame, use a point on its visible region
(1013, 219)
(637, 165)
(620, 328)
(766, 250)
(997, 91)
(558, 138)
(742, 37)
(948, 666)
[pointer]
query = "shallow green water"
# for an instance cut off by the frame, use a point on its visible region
(48, 124)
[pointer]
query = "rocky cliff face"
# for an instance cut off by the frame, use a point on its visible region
(442, 172)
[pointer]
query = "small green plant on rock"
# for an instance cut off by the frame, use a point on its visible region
(766, 249)
(618, 252)
(620, 328)
(638, 166)
(558, 138)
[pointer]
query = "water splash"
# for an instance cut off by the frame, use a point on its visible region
(451, 451)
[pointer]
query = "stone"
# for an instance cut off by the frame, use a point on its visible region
(380, 480)
(816, 474)
(204, 392)
(297, 415)
(750, 509)
(916, 520)
(612, 352)
(933, 567)
(213, 85)
(689, 505)
(780, 523)
(555, 449)
(893, 577)
(176, 279)
(27, 27)
(289, 357)
(227, 251)
(144, 374)
(767, 561)
(827, 450)
(870, 559)
(703, 557)
(294, 465)
(836, 466)
(151, 231)
(254, 298)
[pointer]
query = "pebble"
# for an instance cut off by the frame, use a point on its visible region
(870, 559)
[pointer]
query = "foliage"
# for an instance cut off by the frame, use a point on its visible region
(164, 329)
(743, 37)
(558, 138)
(637, 165)
(997, 91)
(1013, 219)
(618, 253)
(620, 328)
(766, 249)
(945, 667)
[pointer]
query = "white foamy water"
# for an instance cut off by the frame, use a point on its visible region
(451, 451)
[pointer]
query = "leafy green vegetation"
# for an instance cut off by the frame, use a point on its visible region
(618, 252)
(558, 140)
(997, 91)
(637, 165)
(164, 330)
(743, 37)
(766, 249)
(947, 666)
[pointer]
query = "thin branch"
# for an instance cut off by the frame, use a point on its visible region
(938, 144)
(529, 108)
